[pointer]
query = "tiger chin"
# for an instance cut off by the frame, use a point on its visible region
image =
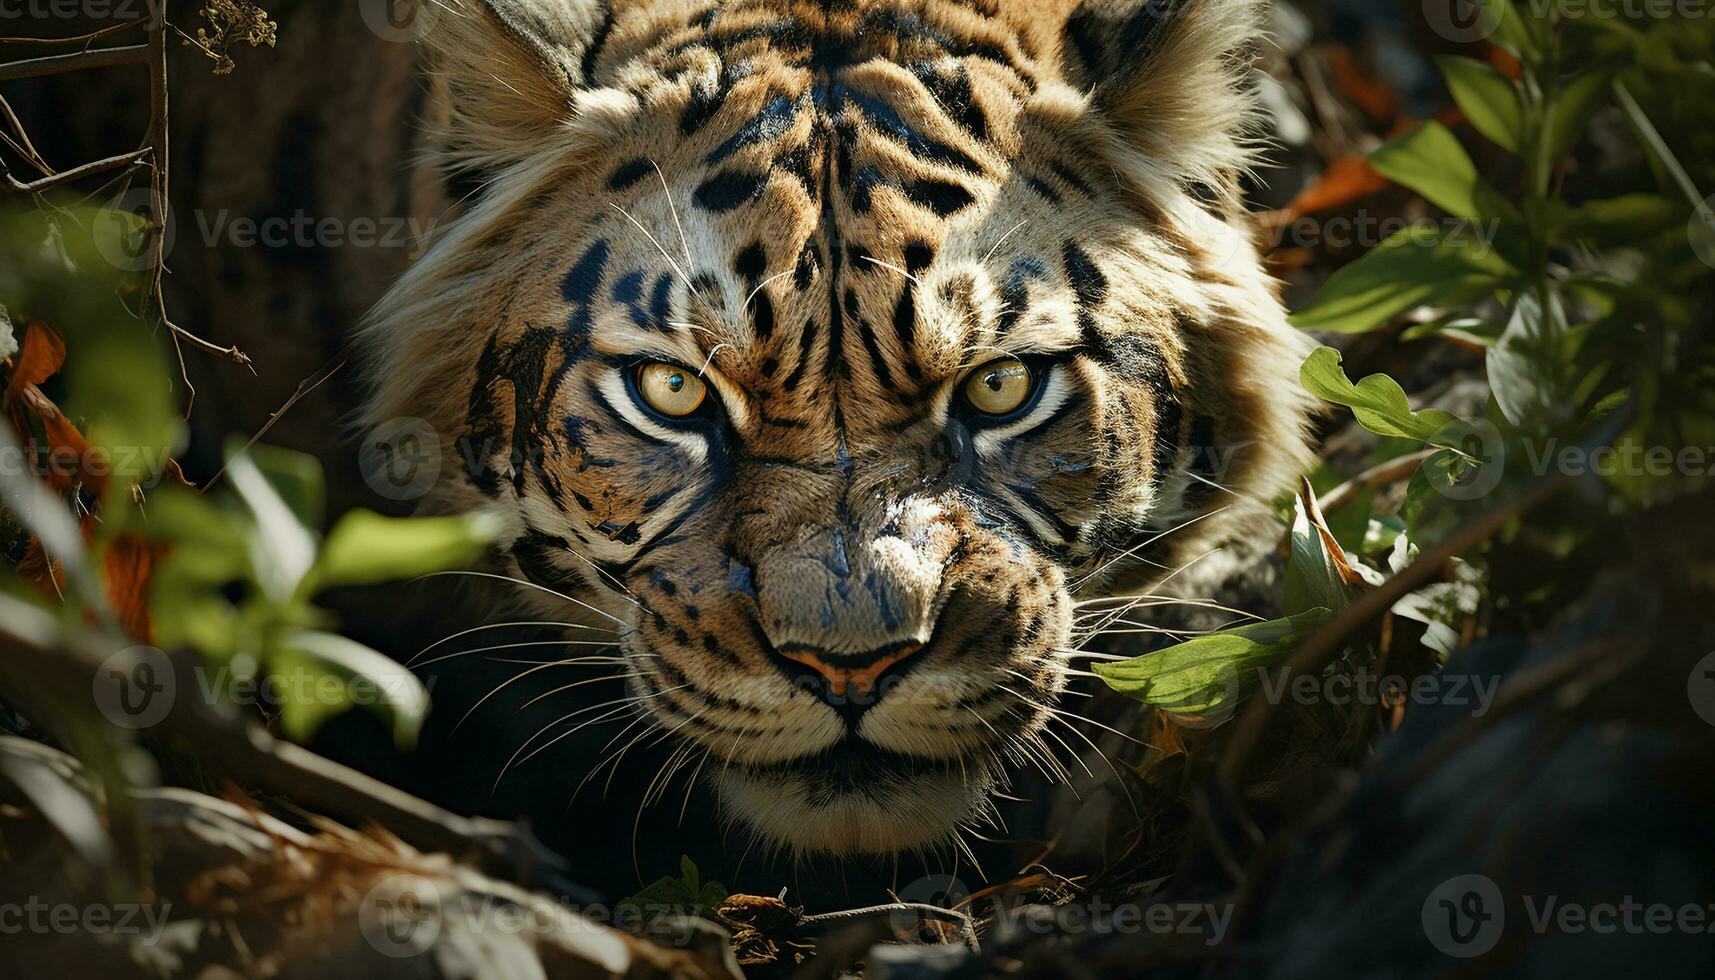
(835, 351)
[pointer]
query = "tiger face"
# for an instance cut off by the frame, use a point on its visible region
(836, 351)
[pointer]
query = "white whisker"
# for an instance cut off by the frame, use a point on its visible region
(495, 626)
(764, 284)
(1134, 549)
(658, 248)
(710, 359)
(522, 644)
(893, 268)
(533, 585)
(674, 211)
(518, 677)
(1002, 240)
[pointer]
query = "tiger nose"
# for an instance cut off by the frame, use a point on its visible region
(850, 683)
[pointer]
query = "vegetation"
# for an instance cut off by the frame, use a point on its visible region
(1581, 274)
(1562, 251)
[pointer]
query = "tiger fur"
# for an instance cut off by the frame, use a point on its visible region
(848, 597)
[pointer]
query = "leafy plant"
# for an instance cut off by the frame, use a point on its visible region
(686, 894)
(1582, 295)
(258, 545)
(106, 523)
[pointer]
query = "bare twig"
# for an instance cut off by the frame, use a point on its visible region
(77, 173)
(153, 152)
(55, 64)
(79, 38)
(1379, 475)
(232, 354)
(27, 149)
(305, 386)
(827, 921)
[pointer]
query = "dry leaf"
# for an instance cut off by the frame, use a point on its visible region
(1346, 180)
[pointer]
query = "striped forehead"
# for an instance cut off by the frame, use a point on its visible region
(830, 196)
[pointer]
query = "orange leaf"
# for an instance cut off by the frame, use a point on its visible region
(41, 571)
(129, 563)
(40, 358)
(1346, 180)
(1330, 545)
(1505, 63)
(70, 458)
(1367, 91)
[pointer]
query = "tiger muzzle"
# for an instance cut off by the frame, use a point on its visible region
(846, 617)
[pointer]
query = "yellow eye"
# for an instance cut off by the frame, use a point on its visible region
(999, 387)
(670, 389)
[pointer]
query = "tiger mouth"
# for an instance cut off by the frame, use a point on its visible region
(854, 765)
(856, 798)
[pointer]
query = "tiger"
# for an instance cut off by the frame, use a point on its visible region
(834, 351)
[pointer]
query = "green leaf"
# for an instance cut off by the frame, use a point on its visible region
(1527, 366)
(1418, 266)
(281, 547)
(1514, 31)
(1318, 575)
(1434, 491)
(684, 895)
(297, 479)
(1378, 401)
(365, 547)
(1570, 110)
(1208, 674)
(118, 380)
(1488, 98)
(186, 614)
(1442, 608)
(1430, 161)
(1622, 220)
(182, 517)
(324, 674)
(1458, 326)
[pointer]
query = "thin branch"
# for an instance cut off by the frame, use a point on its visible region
(232, 354)
(29, 153)
(80, 38)
(1380, 475)
(55, 64)
(77, 173)
(305, 386)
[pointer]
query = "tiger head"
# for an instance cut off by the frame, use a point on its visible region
(838, 350)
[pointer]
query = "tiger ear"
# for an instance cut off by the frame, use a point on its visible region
(1172, 76)
(509, 68)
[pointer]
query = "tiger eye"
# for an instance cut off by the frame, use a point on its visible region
(670, 389)
(999, 387)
